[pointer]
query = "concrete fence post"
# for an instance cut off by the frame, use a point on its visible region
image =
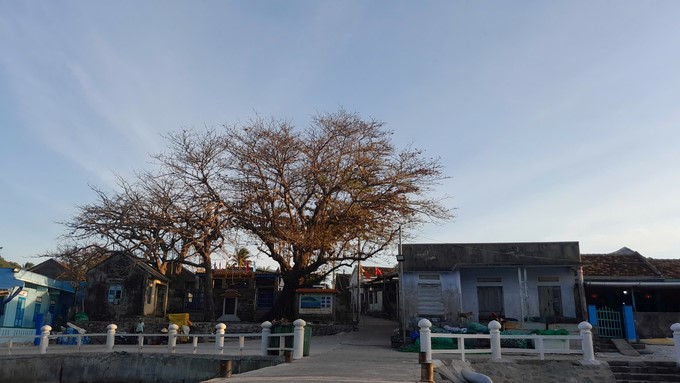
(587, 343)
(425, 341)
(266, 330)
(44, 340)
(110, 337)
(172, 337)
(219, 338)
(675, 327)
(495, 334)
(298, 338)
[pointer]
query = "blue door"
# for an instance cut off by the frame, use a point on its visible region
(19, 316)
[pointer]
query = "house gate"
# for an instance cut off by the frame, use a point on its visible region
(609, 323)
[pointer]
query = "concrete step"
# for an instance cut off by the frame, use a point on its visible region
(624, 347)
(644, 371)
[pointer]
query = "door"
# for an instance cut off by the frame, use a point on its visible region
(550, 301)
(229, 306)
(490, 301)
(19, 315)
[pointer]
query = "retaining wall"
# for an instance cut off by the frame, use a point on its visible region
(119, 367)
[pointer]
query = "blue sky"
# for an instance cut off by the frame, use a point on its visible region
(555, 120)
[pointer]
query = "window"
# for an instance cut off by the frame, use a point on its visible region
(489, 280)
(115, 293)
(548, 279)
(326, 302)
(265, 299)
(429, 295)
(149, 294)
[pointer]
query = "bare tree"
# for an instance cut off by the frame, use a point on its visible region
(325, 197)
(77, 261)
(312, 200)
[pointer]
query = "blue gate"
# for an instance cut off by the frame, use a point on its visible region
(609, 323)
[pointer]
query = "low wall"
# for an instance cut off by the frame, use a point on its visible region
(119, 367)
(655, 325)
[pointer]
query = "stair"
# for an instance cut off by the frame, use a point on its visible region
(607, 345)
(644, 371)
(604, 345)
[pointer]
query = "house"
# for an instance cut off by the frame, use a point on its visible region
(525, 281)
(240, 293)
(626, 280)
(29, 300)
(378, 291)
(125, 286)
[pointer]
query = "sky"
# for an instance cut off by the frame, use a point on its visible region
(554, 120)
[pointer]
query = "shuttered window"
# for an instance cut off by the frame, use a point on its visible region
(430, 302)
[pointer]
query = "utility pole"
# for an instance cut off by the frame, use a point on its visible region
(358, 281)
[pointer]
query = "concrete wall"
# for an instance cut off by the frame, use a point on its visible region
(655, 325)
(124, 367)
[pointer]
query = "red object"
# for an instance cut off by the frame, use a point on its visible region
(378, 273)
(247, 266)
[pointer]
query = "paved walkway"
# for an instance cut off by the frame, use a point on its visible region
(359, 356)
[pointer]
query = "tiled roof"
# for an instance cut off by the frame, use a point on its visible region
(670, 268)
(617, 265)
(371, 272)
(239, 273)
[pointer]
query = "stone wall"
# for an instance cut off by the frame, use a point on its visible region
(655, 325)
(538, 371)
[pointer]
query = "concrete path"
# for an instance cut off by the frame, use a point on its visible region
(360, 356)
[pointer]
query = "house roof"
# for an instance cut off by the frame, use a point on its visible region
(670, 268)
(137, 262)
(240, 273)
(451, 256)
(372, 272)
(51, 268)
(628, 264)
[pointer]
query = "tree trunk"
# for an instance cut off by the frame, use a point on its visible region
(284, 307)
(209, 298)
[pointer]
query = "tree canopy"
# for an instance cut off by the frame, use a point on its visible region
(312, 199)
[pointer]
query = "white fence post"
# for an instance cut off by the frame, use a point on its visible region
(425, 340)
(298, 338)
(266, 330)
(172, 337)
(44, 340)
(587, 343)
(675, 327)
(219, 337)
(495, 334)
(110, 337)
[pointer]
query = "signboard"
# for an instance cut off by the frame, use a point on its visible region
(316, 304)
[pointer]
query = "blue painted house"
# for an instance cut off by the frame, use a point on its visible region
(29, 300)
(527, 281)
